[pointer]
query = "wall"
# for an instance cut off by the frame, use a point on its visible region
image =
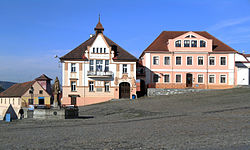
(5, 102)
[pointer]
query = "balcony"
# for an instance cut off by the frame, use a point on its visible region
(100, 74)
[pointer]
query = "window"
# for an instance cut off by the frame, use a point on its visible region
(40, 91)
(156, 78)
(73, 85)
(166, 78)
(124, 68)
(223, 61)
(178, 60)
(99, 65)
(106, 86)
(93, 50)
(202, 43)
(167, 60)
(200, 78)
(91, 65)
(91, 86)
(104, 50)
(97, 50)
(186, 43)
(106, 65)
(100, 50)
(211, 78)
(193, 43)
(189, 60)
(178, 78)
(178, 43)
(211, 61)
(223, 79)
(156, 60)
(31, 101)
(73, 67)
(200, 60)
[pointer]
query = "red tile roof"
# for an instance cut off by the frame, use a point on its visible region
(78, 52)
(160, 43)
(17, 90)
(43, 77)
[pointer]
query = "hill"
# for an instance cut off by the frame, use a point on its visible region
(5, 85)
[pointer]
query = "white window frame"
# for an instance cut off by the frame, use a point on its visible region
(214, 78)
(225, 60)
(158, 60)
(198, 60)
(225, 78)
(214, 60)
(105, 85)
(93, 89)
(198, 78)
(205, 43)
(184, 43)
(73, 86)
(176, 78)
(124, 69)
(93, 65)
(164, 78)
(176, 41)
(73, 67)
(176, 61)
(196, 43)
(187, 60)
(169, 60)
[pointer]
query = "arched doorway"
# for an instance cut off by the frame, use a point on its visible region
(124, 90)
(189, 80)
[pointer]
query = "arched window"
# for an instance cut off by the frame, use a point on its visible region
(178, 43)
(202, 43)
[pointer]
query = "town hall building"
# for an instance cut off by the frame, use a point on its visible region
(97, 70)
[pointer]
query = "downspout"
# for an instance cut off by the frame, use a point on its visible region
(207, 69)
(84, 83)
(172, 78)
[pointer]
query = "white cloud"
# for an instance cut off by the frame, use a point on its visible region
(228, 23)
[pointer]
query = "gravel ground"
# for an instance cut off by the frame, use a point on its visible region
(195, 121)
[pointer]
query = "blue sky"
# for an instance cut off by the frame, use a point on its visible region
(32, 32)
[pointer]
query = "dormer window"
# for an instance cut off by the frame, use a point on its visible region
(190, 36)
(186, 43)
(193, 43)
(202, 43)
(178, 43)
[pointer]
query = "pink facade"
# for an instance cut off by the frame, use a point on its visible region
(189, 60)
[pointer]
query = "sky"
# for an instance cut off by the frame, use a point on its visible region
(33, 32)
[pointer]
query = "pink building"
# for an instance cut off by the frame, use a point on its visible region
(190, 59)
(96, 71)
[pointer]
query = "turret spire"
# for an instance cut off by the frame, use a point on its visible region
(99, 28)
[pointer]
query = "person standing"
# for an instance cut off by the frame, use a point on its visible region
(21, 112)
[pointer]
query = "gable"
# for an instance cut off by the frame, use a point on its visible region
(160, 44)
(37, 87)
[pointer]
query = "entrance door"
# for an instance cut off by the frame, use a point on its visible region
(73, 100)
(41, 100)
(124, 90)
(189, 80)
